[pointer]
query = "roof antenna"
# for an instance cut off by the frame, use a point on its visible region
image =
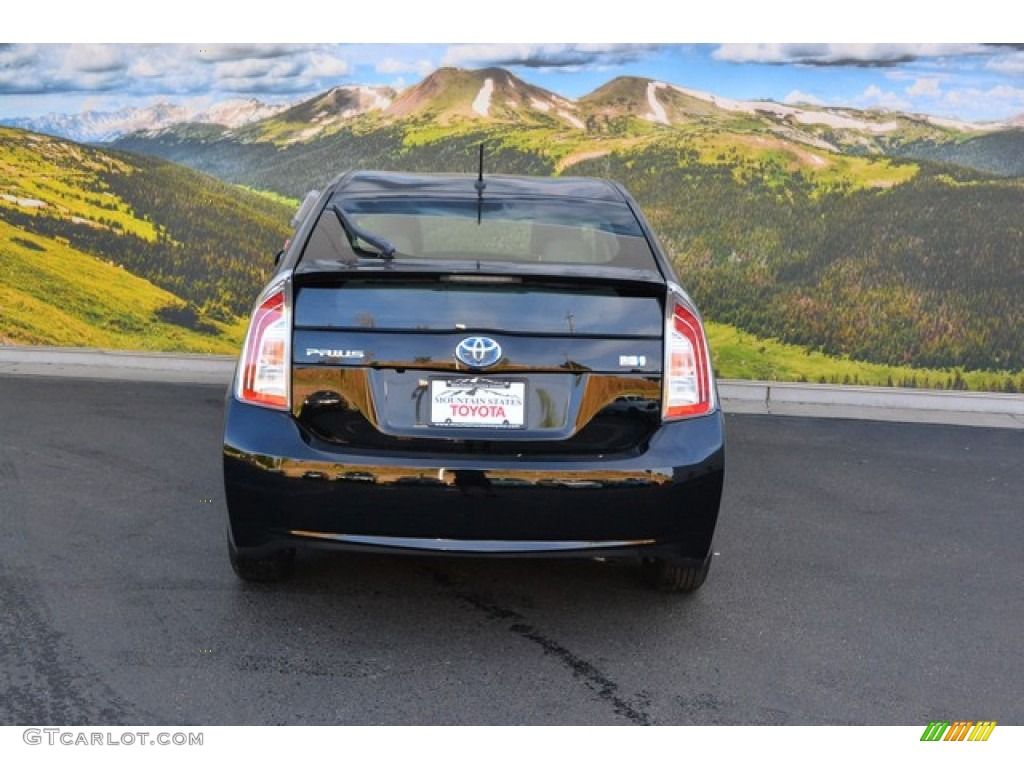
(480, 185)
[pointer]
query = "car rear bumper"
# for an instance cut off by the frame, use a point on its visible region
(285, 489)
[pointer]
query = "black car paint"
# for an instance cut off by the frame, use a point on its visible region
(282, 481)
(287, 485)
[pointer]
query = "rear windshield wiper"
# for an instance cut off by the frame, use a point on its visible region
(354, 233)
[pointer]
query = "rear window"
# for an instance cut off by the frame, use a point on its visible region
(554, 230)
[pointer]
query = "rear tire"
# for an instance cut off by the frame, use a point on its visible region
(666, 576)
(262, 569)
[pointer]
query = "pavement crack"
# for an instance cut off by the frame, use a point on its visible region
(583, 670)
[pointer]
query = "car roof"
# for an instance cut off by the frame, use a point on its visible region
(385, 183)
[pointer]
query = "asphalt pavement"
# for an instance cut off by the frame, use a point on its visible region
(866, 573)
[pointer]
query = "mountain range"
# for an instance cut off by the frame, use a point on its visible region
(494, 96)
(869, 234)
(747, 195)
(96, 126)
(556, 132)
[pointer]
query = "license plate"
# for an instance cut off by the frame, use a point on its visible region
(475, 401)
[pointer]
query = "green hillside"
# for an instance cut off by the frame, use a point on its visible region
(107, 249)
(52, 294)
(879, 259)
(928, 272)
(807, 228)
(999, 152)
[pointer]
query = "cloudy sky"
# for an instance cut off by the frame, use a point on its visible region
(961, 80)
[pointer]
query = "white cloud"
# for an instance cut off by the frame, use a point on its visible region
(873, 96)
(1006, 92)
(991, 103)
(244, 68)
(145, 68)
(858, 54)
(480, 54)
(544, 55)
(326, 65)
(93, 58)
(799, 97)
(925, 86)
(234, 52)
(1013, 64)
(392, 66)
(141, 71)
(19, 68)
(18, 56)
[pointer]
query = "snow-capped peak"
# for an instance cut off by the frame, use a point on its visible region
(657, 113)
(107, 126)
(482, 102)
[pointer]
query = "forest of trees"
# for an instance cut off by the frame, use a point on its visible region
(295, 169)
(929, 272)
(215, 244)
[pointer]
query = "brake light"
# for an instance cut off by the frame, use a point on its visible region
(263, 379)
(688, 390)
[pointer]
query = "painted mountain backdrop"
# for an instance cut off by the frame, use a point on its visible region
(876, 236)
(107, 126)
(113, 250)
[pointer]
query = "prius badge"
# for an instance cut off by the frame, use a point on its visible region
(478, 351)
(336, 354)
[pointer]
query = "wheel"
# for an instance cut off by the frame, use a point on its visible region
(666, 576)
(262, 569)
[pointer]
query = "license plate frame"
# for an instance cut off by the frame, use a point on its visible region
(477, 402)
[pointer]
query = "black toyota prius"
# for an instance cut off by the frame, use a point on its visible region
(478, 366)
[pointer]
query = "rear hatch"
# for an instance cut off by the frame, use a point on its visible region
(564, 362)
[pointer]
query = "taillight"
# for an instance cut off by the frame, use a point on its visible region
(263, 378)
(687, 374)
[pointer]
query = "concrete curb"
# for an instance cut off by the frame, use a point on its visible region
(987, 409)
(80, 362)
(764, 397)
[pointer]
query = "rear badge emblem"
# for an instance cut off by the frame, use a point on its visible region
(478, 352)
(356, 354)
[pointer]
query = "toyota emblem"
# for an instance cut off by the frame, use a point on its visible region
(478, 352)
